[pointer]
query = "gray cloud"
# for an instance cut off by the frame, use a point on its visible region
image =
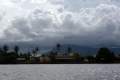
(56, 21)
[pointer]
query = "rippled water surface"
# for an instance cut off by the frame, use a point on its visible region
(60, 72)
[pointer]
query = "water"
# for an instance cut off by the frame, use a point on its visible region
(60, 72)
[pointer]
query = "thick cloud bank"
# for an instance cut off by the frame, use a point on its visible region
(64, 21)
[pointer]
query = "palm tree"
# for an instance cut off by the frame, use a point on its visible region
(16, 49)
(5, 48)
(35, 50)
(69, 49)
(58, 47)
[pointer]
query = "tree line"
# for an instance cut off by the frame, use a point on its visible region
(103, 55)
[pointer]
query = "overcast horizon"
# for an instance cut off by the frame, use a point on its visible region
(47, 22)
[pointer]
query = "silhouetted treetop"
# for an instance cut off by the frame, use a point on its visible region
(16, 49)
(104, 55)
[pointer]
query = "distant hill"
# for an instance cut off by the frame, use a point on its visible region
(83, 50)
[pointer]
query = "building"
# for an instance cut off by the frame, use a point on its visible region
(21, 60)
(63, 58)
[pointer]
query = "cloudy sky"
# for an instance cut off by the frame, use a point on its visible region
(81, 22)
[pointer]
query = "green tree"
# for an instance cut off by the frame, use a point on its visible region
(5, 48)
(104, 55)
(58, 47)
(69, 50)
(16, 49)
(91, 59)
(52, 56)
(76, 57)
(35, 50)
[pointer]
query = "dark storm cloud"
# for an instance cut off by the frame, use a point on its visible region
(49, 22)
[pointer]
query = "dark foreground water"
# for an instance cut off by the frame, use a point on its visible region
(60, 72)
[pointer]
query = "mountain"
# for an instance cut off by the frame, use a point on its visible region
(83, 50)
(88, 50)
